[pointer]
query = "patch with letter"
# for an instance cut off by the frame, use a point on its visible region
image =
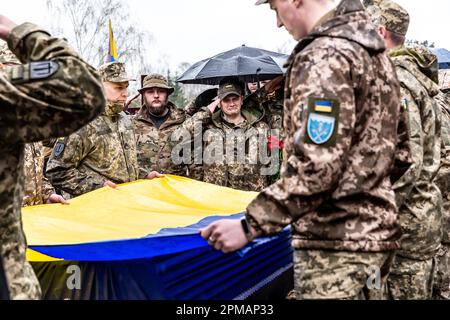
(59, 148)
(32, 71)
(323, 121)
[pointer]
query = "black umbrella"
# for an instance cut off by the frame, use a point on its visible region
(249, 64)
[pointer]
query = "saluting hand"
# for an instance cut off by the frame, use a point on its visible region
(6, 27)
(274, 84)
(213, 106)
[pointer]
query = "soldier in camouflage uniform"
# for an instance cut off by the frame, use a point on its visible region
(154, 125)
(270, 98)
(418, 197)
(102, 153)
(340, 117)
(442, 280)
(202, 100)
(271, 101)
(233, 139)
(37, 188)
(53, 94)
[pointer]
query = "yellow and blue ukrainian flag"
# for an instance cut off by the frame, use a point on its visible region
(112, 53)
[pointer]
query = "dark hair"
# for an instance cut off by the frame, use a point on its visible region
(397, 39)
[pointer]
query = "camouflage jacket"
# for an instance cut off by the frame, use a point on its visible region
(420, 215)
(103, 150)
(37, 188)
(231, 154)
(64, 96)
(443, 176)
(273, 108)
(154, 146)
(340, 118)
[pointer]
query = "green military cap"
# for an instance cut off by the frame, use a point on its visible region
(6, 56)
(261, 2)
(114, 72)
(156, 81)
(231, 86)
(389, 14)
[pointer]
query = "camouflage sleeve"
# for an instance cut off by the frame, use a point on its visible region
(443, 177)
(201, 118)
(53, 94)
(47, 189)
(310, 170)
(63, 166)
(405, 183)
(403, 157)
(274, 115)
(193, 127)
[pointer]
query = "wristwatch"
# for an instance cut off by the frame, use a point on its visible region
(246, 228)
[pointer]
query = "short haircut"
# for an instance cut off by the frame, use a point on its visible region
(396, 39)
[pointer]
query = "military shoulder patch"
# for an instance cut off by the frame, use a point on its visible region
(59, 148)
(323, 121)
(405, 104)
(32, 71)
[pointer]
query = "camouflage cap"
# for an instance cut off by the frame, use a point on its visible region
(114, 72)
(261, 2)
(6, 56)
(156, 81)
(229, 87)
(389, 14)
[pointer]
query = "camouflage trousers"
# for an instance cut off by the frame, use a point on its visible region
(340, 275)
(20, 277)
(411, 279)
(441, 288)
(22, 282)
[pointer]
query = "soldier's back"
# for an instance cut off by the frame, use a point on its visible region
(420, 216)
(37, 101)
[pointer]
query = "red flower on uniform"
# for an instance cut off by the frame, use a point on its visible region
(275, 144)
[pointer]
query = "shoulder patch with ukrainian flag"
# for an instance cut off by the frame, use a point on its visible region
(323, 121)
(405, 104)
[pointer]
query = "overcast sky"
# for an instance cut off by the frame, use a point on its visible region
(192, 30)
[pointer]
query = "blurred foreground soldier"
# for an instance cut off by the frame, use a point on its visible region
(340, 117)
(154, 125)
(102, 153)
(442, 279)
(418, 197)
(53, 94)
(37, 189)
(270, 97)
(4, 292)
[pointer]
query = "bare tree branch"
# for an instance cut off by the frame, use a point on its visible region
(85, 24)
